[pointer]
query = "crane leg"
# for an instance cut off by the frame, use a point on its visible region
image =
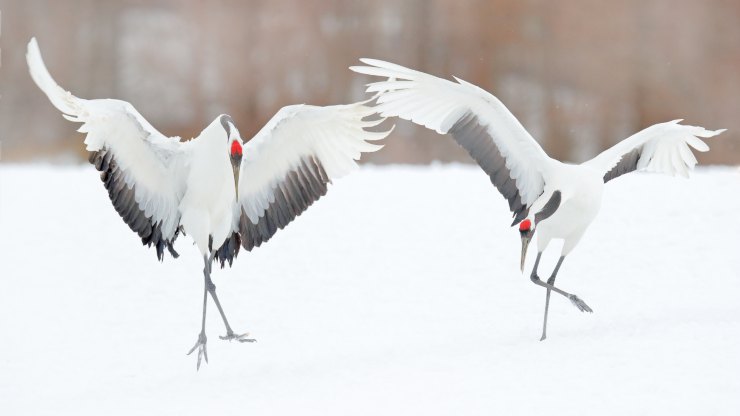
(230, 335)
(551, 282)
(201, 343)
(575, 300)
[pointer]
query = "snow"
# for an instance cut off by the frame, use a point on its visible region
(398, 293)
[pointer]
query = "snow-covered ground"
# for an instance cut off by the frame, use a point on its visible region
(398, 293)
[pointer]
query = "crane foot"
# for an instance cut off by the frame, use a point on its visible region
(201, 346)
(231, 336)
(580, 304)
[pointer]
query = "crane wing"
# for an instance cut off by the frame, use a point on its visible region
(141, 169)
(289, 163)
(476, 119)
(663, 148)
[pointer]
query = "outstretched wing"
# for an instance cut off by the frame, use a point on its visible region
(288, 165)
(660, 148)
(141, 169)
(478, 121)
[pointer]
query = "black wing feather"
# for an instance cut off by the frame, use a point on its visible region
(475, 138)
(550, 207)
(627, 163)
(124, 201)
(300, 188)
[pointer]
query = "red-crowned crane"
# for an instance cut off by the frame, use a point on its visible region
(558, 200)
(222, 192)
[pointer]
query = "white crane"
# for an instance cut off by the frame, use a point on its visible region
(558, 200)
(221, 191)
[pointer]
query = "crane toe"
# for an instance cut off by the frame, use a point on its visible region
(580, 304)
(230, 336)
(202, 351)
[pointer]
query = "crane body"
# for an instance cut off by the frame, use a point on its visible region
(555, 199)
(225, 193)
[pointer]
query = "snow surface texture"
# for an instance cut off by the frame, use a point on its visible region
(398, 293)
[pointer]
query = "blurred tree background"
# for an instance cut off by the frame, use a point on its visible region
(579, 74)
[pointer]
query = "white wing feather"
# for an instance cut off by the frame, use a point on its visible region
(663, 148)
(335, 136)
(439, 103)
(150, 162)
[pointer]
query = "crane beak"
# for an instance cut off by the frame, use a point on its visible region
(236, 163)
(526, 237)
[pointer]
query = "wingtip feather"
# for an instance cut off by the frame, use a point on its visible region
(60, 98)
(712, 133)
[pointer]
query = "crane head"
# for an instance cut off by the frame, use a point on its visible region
(235, 155)
(235, 148)
(526, 231)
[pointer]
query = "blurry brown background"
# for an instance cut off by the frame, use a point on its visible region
(579, 74)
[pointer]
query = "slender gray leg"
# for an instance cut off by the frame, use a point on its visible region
(201, 343)
(575, 300)
(230, 335)
(551, 282)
